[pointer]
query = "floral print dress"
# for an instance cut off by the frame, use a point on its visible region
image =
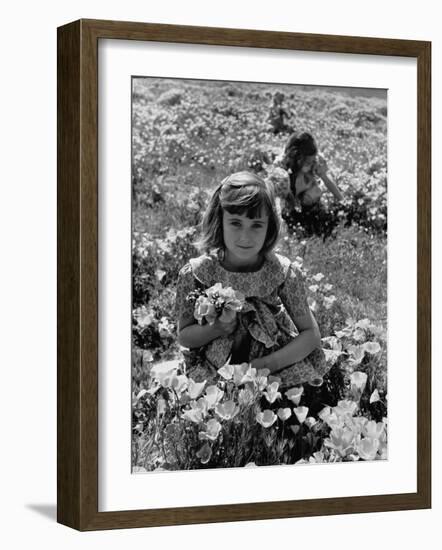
(274, 296)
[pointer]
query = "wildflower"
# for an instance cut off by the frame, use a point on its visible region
(295, 428)
(195, 389)
(165, 328)
(283, 414)
(374, 397)
(345, 407)
(213, 427)
(317, 458)
(143, 316)
(178, 383)
(261, 380)
(163, 370)
(204, 310)
(367, 448)
(301, 413)
(340, 440)
(359, 335)
(266, 418)
(161, 407)
(243, 373)
(329, 301)
(358, 381)
(364, 324)
(374, 429)
(140, 394)
(213, 396)
(328, 287)
(205, 453)
(194, 415)
(372, 347)
(227, 410)
(310, 421)
(356, 354)
(272, 393)
(226, 371)
(313, 288)
(325, 413)
(318, 277)
(294, 394)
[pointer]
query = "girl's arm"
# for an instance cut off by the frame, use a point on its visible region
(294, 298)
(192, 335)
(309, 338)
(321, 170)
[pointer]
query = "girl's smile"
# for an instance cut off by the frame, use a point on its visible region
(244, 238)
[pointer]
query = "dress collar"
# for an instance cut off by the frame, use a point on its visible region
(273, 272)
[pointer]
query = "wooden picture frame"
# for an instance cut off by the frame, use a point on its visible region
(77, 224)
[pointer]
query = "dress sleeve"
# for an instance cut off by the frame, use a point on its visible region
(186, 283)
(293, 295)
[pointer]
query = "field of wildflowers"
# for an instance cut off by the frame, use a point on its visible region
(187, 136)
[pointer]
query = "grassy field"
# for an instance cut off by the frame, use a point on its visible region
(187, 136)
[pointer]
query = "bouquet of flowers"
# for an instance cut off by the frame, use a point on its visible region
(216, 302)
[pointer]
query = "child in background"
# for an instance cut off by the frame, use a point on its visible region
(275, 328)
(278, 114)
(306, 168)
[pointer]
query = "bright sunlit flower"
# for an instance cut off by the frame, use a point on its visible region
(213, 396)
(341, 439)
(205, 453)
(161, 406)
(372, 347)
(374, 397)
(266, 418)
(301, 413)
(243, 373)
(272, 393)
(226, 371)
(346, 407)
(227, 410)
(294, 394)
(283, 414)
(374, 430)
(213, 427)
(178, 383)
(358, 380)
(367, 448)
(194, 415)
(318, 277)
(329, 301)
(195, 389)
(310, 421)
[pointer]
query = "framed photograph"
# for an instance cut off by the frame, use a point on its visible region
(244, 285)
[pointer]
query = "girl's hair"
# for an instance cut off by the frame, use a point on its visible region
(297, 148)
(239, 193)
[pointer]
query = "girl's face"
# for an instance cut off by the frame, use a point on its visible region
(244, 237)
(308, 164)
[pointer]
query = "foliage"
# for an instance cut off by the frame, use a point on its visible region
(186, 137)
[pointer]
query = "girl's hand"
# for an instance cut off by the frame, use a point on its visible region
(225, 328)
(321, 166)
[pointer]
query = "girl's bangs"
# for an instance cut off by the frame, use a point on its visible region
(250, 200)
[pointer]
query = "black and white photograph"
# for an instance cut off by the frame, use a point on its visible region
(259, 274)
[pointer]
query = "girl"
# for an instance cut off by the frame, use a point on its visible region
(303, 164)
(275, 328)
